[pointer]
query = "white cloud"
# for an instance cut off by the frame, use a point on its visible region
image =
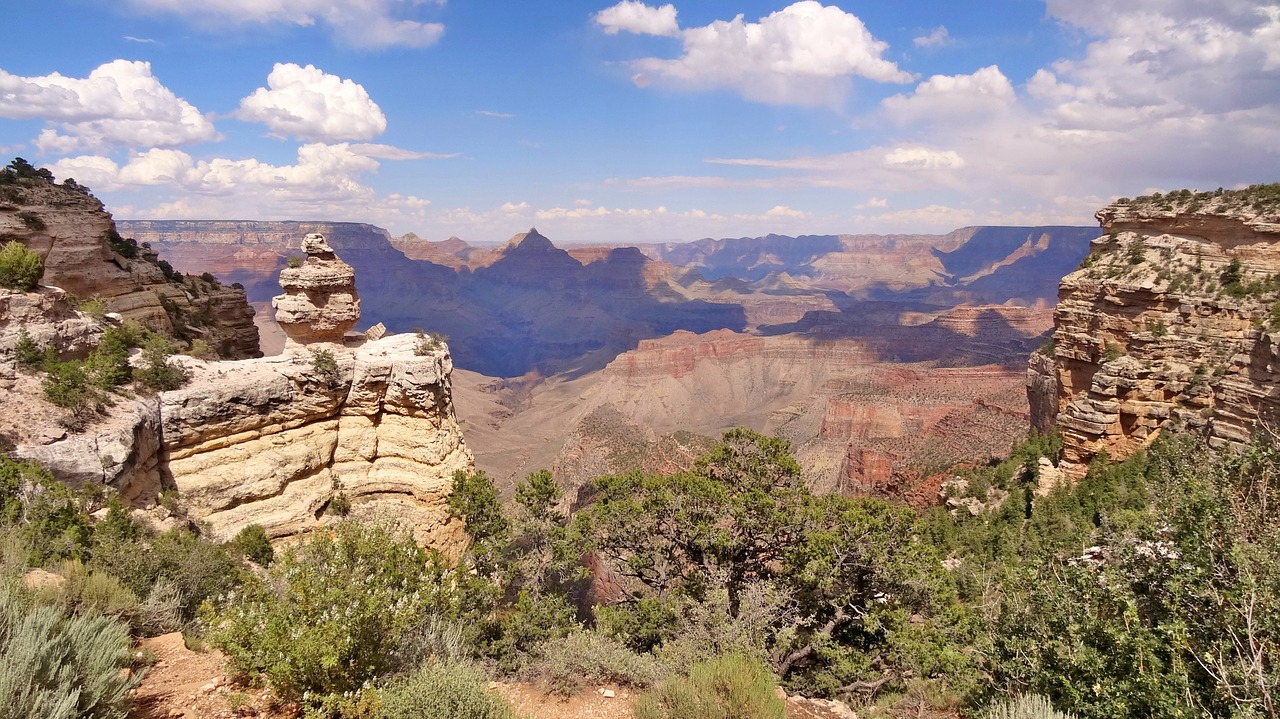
(920, 158)
(492, 113)
(872, 203)
(930, 216)
(120, 104)
(359, 23)
(390, 152)
(324, 183)
(804, 54)
(312, 105)
(949, 98)
(937, 38)
(636, 17)
(1160, 94)
(142, 40)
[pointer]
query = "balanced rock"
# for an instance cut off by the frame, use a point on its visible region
(319, 303)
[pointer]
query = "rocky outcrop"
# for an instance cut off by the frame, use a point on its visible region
(84, 255)
(1170, 322)
(287, 442)
(49, 319)
(274, 441)
(320, 303)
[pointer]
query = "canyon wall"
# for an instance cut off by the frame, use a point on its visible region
(1171, 321)
(528, 305)
(84, 255)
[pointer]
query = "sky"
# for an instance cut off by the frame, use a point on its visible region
(639, 122)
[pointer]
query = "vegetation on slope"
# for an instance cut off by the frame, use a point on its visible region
(23, 184)
(1261, 199)
(1149, 588)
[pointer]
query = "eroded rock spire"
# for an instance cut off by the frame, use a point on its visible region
(320, 303)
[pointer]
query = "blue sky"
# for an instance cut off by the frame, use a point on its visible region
(632, 122)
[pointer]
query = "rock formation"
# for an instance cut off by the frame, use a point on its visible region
(84, 255)
(320, 303)
(49, 319)
(274, 441)
(1171, 321)
(285, 442)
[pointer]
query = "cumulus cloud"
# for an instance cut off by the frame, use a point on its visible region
(949, 98)
(120, 104)
(937, 38)
(636, 17)
(1158, 92)
(325, 182)
(312, 105)
(804, 54)
(359, 23)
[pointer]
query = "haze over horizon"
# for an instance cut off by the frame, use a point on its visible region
(639, 122)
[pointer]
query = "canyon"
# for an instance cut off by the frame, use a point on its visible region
(884, 359)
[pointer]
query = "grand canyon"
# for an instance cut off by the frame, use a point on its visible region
(884, 359)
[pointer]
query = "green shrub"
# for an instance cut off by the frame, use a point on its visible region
(107, 366)
(20, 268)
(1029, 706)
(157, 372)
(85, 591)
(47, 516)
(58, 667)
(66, 384)
(730, 687)
(339, 504)
(568, 664)
(528, 624)
(252, 543)
(28, 354)
(442, 691)
(428, 343)
(93, 307)
(330, 613)
(197, 568)
(641, 625)
(296, 260)
(325, 364)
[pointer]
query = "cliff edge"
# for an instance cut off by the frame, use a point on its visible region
(1173, 320)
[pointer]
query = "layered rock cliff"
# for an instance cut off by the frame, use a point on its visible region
(1171, 321)
(288, 442)
(84, 255)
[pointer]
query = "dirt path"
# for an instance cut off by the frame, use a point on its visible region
(193, 685)
(184, 684)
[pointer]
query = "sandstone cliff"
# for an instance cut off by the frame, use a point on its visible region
(84, 255)
(287, 442)
(1171, 320)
